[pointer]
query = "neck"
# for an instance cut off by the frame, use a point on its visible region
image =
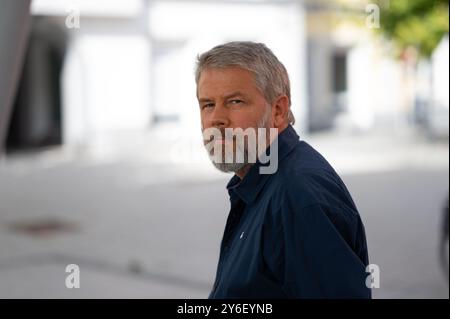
(243, 171)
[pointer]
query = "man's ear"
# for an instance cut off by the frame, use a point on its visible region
(280, 111)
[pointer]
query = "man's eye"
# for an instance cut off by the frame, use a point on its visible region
(207, 105)
(236, 101)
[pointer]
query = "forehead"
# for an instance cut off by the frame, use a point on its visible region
(221, 81)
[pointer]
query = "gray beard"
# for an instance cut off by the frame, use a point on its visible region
(229, 167)
(234, 167)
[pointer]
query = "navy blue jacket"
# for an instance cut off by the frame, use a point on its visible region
(292, 234)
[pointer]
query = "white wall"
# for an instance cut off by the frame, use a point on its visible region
(376, 88)
(111, 77)
(106, 87)
(440, 71)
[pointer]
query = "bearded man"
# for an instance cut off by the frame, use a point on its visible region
(293, 230)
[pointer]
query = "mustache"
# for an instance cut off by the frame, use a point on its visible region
(230, 135)
(222, 136)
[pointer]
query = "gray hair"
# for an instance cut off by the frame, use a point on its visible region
(270, 74)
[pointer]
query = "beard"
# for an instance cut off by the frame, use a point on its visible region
(233, 156)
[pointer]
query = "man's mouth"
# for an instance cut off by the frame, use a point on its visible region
(221, 141)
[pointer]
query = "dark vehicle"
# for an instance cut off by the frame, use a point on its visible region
(444, 240)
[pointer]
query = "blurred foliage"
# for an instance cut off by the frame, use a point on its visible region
(417, 24)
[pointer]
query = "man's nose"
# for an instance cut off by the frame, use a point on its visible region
(219, 117)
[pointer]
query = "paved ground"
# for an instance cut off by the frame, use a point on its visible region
(142, 229)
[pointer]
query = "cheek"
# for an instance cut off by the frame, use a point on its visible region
(202, 118)
(205, 121)
(244, 118)
(250, 119)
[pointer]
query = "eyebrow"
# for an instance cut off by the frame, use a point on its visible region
(204, 99)
(226, 97)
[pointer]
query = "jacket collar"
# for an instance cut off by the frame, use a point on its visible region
(250, 186)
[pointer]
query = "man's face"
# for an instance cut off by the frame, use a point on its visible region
(229, 98)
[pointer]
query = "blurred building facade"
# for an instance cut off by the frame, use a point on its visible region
(128, 69)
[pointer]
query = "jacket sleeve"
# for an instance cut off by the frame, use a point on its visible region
(312, 251)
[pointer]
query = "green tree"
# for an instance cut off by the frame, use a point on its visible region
(414, 24)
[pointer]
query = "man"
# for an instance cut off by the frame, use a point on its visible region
(293, 233)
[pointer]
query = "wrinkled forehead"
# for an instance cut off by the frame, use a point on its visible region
(225, 81)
